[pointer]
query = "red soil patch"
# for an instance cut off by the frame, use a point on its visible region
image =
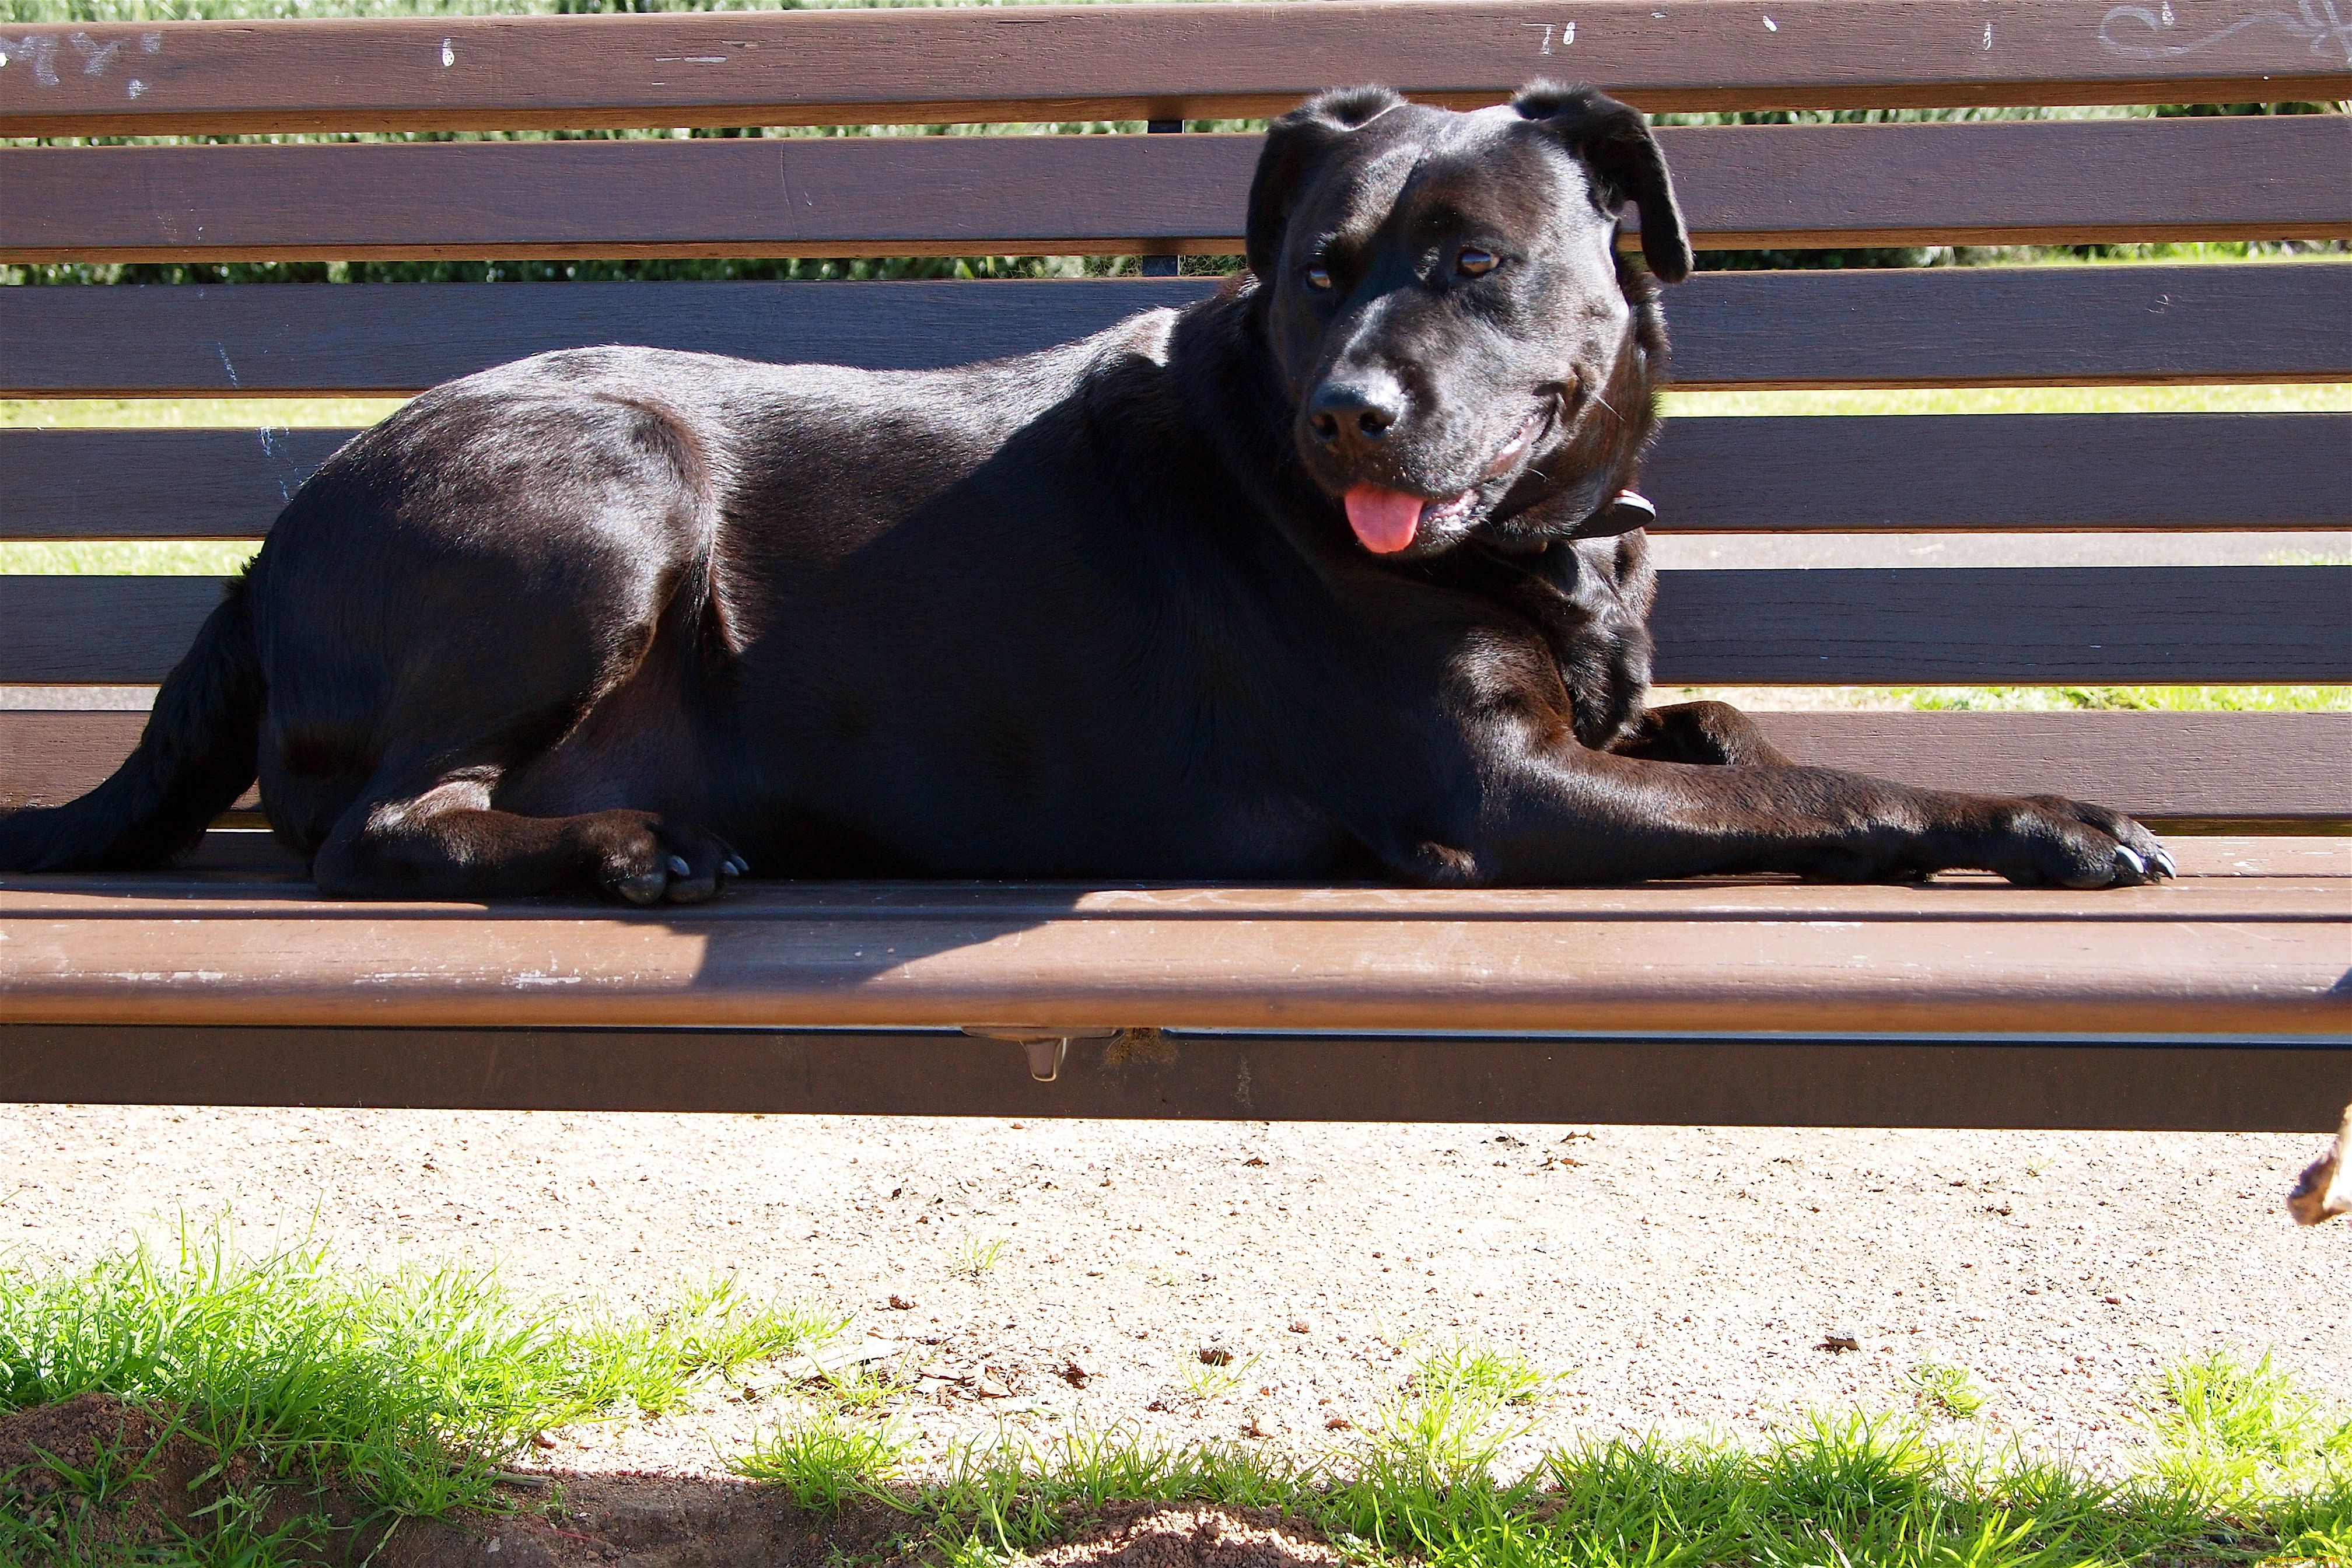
(156, 1463)
(1185, 1535)
(560, 1521)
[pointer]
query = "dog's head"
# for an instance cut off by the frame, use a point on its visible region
(1444, 300)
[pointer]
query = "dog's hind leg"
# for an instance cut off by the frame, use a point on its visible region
(430, 831)
(1715, 734)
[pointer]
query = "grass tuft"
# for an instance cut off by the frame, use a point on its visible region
(408, 1391)
(1207, 1381)
(975, 1259)
(825, 1460)
(1940, 1390)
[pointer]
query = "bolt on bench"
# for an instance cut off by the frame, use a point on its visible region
(2221, 1000)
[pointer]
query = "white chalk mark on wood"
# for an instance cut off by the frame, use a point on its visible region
(40, 52)
(94, 59)
(2321, 23)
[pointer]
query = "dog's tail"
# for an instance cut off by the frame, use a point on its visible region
(197, 755)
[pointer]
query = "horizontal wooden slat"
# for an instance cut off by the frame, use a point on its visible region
(1775, 1081)
(1974, 625)
(2245, 876)
(2173, 766)
(2226, 950)
(2022, 471)
(1827, 627)
(1142, 62)
(1926, 327)
(2177, 766)
(1768, 475)
(153, 484)
(1986, 182)
(48, 757)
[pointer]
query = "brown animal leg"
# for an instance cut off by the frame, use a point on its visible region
(446, 841)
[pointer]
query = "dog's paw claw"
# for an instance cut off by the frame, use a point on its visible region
(2130, 861)
(647, 889)
(2163, 862)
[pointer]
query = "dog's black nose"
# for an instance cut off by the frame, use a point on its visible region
(1346, 412)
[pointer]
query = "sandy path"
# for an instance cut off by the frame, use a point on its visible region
(1683, 1279)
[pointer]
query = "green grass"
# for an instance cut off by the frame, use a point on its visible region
(2324, 398)
(1940, 1390)
(413, 1388)
(126, 557)
(1485, 1378)
(976, 1257)
(345, 412)
(409, 1389)
(2237, 1467)
(1206, 1381)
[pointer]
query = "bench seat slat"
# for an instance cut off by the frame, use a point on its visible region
(1825, 627)
(1766, 474)
(1781, 1080)
(1134, 62)
(1924, 326)
(1984, 182)
(2161, 766)
(2219, 951)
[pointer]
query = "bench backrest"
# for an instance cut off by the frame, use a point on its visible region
(1778, 187)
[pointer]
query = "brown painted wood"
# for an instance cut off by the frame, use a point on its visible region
(153, 484)
(49, 757)
(2217, 953)
(1995, 626)
(1986, 182)
(1829, 627)
(2168, 766)
(1926, 327)
(2241, 875)
(1140, 62)
(2008, 472)
(2176, 766)
(2218, 1086)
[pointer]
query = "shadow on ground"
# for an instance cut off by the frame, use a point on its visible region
(97, 1479)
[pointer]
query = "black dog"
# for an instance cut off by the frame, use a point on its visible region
(1296, 582)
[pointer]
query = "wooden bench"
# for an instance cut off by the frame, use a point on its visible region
(2220, 1002)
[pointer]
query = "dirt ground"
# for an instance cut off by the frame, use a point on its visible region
(1678, 1279)
(648, 1520)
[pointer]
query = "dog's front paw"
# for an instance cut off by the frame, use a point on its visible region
(644, 860)
(2049, 841)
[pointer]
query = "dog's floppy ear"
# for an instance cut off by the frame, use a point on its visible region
(1613, 139)
(1292, 145)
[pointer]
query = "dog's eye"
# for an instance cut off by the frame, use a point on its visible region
(1318, 277)
(1475, 263)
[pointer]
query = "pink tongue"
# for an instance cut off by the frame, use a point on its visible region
(1384, 520)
